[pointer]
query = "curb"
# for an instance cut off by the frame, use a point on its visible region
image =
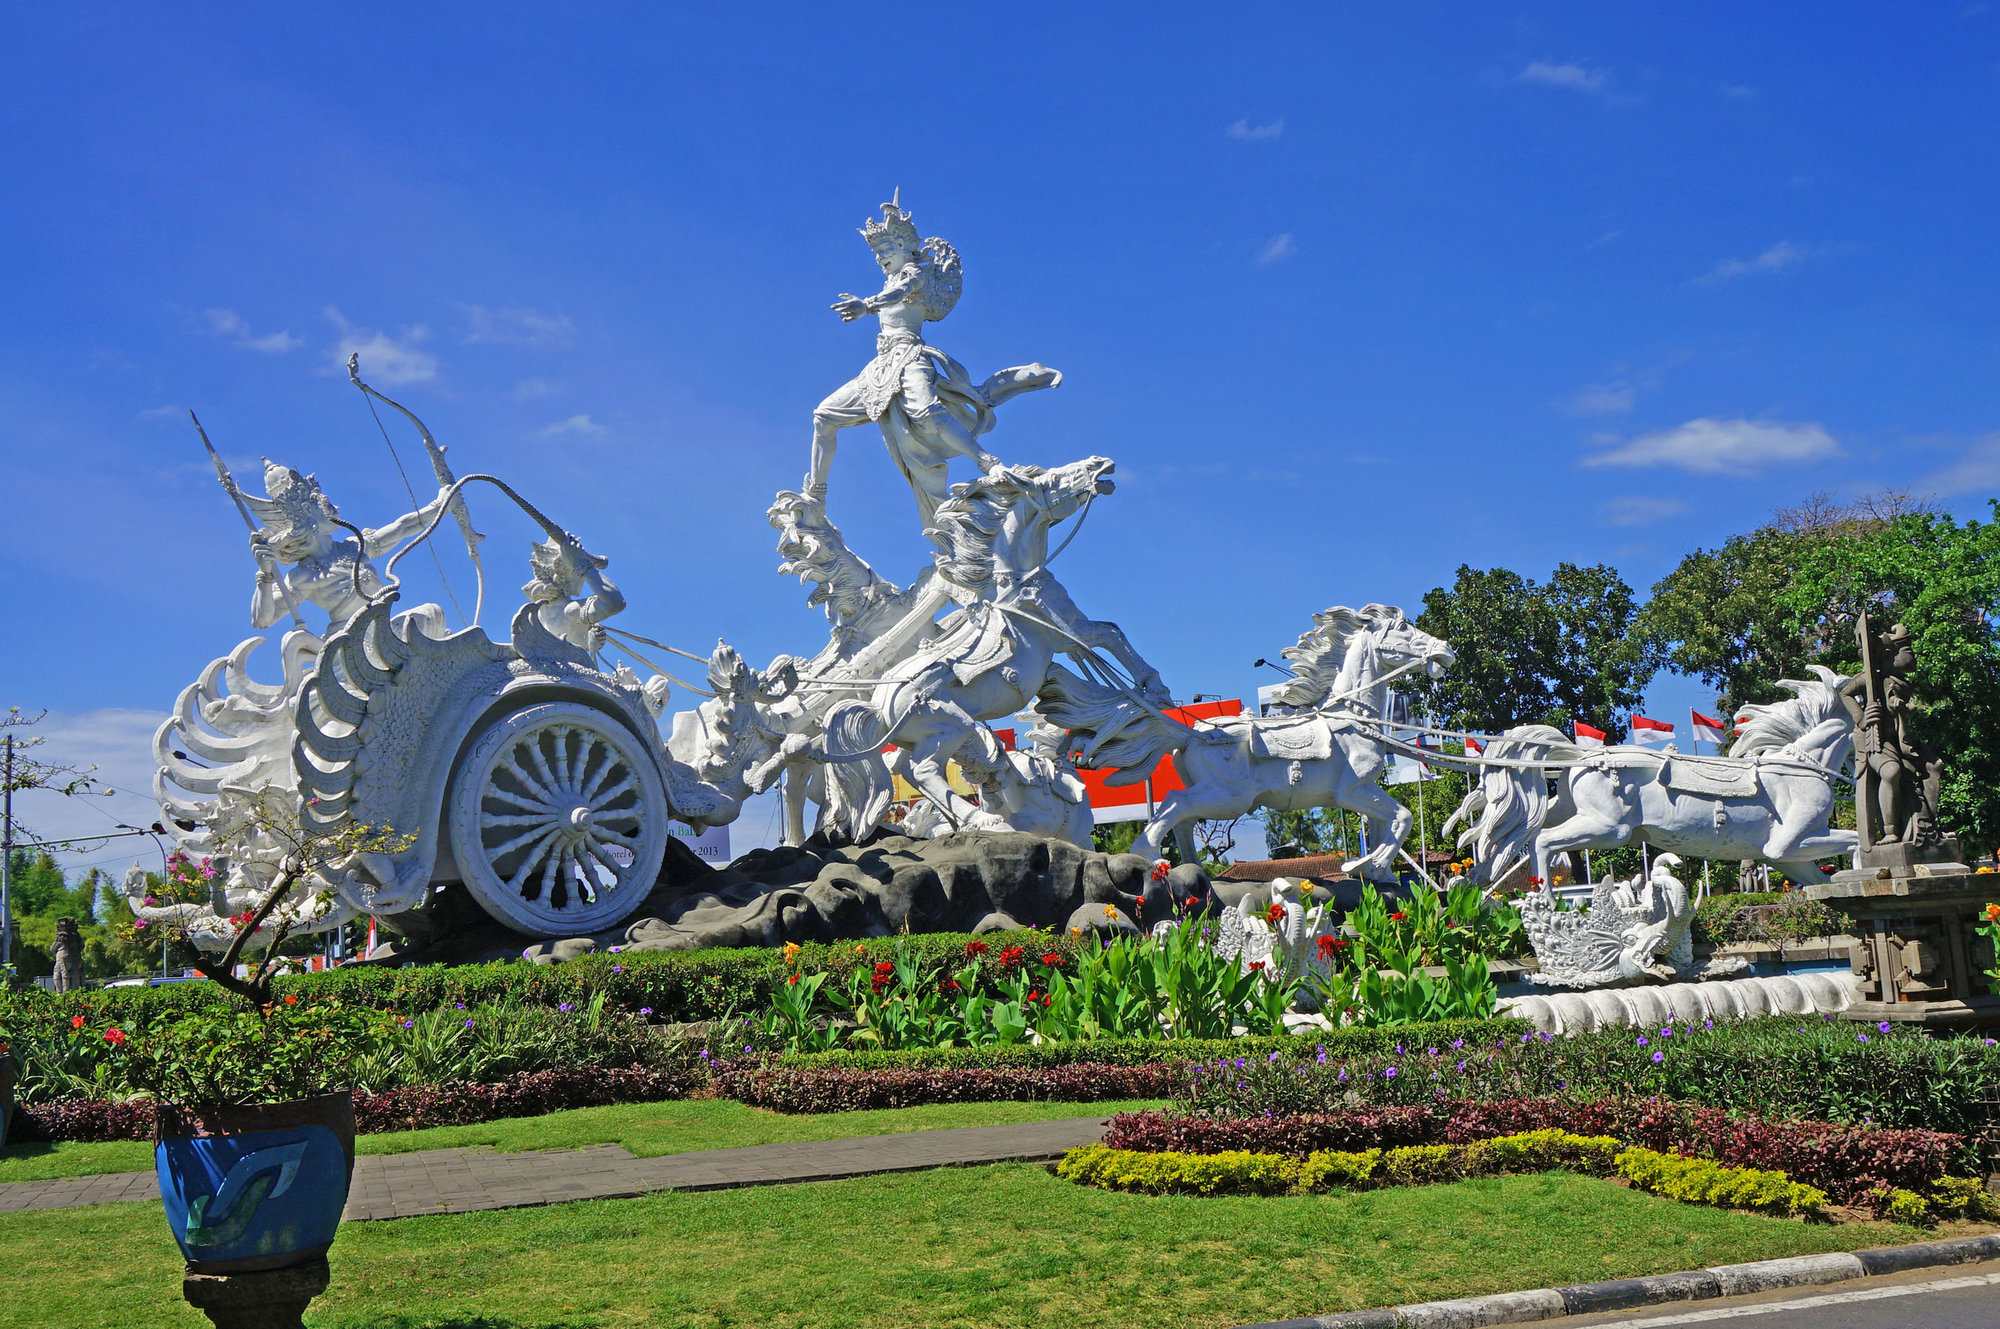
(1617, 1294)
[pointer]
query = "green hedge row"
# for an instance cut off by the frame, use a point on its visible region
(673, 985)
(1339, 1043)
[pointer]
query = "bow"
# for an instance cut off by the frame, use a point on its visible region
(444, 479)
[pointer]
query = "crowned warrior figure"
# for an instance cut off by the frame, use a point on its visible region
(325, 565)
(929, 408)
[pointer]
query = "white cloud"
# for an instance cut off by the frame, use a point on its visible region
(228, 323)
(160, 412)
(1723, 447)
(1639, 510)
(1976, 472)
(384, 359)
(516, 326)
(576, 424)
(1245, 132)
(1602, 399)
(1277, 249)
(1574, 77)
(528, 389)
(1777, 258)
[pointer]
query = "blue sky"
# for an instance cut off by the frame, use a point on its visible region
(1353, 294)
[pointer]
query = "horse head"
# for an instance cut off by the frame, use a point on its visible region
(1349, 650)
(1002, 518)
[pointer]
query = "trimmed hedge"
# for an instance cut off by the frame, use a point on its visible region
(791, 1089)
(529, 1094)
(1336, 1043)
(677, 986)
(1849, 1162)
(1703, 1181)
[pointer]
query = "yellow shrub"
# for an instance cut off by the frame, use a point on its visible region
(1419, 1164)
(1963, 1197)
(1704, 1181)
(1541, 1151)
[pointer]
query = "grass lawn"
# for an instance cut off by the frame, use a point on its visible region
(992, 1247)
(644, 1128)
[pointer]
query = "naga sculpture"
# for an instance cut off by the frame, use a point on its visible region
(1633, 932)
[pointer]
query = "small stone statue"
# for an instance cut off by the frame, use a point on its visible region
(564, 570)
(929, 408)
(68, 952)
(1897, 776)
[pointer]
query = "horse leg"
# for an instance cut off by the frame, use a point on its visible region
(794, 795)
(1388, 822)
(936, 738)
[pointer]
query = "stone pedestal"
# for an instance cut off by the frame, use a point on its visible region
(273, 1299)
(1917, 953)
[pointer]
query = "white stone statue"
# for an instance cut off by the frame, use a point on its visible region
(315, 559)
(926, 403)
(1328, 756)
(1275, 928)
(1771, 798)
(564, 571)
(1633, 932)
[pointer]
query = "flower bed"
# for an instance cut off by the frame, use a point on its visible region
(790, 1089)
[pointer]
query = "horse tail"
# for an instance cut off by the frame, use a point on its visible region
(1115, 731)
(1513, 802)
(853, 732)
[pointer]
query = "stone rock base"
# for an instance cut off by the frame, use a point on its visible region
(273, 1299)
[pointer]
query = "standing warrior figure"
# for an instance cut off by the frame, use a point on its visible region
(299, 530)
(928, 406)
(1897, 777)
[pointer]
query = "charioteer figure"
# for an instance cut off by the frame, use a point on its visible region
(926, 403)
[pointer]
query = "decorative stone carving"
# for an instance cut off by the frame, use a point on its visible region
(67, 975)
(1273, 927)
(1678, 1004)
(1897, 777)
(1633, 932)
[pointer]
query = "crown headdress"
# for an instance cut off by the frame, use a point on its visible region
(291, 500)
(894, 228)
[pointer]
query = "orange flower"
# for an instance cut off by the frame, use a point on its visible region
(114, 1036)
(291, 1001)
(76, 1022)
(791, 952)
(1993, 913)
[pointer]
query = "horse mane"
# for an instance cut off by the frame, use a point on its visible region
(1114, 731)
(965, 525)
(1769, 726)
(1322, 649)
(814, 551)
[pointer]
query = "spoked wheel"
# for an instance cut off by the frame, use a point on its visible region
(558, 820)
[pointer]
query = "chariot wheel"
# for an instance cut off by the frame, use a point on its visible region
(558, 820)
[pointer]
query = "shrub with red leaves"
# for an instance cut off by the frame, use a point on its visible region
(1368, 1128)
(790, 1089)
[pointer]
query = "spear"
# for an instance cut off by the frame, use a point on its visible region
(236, 495)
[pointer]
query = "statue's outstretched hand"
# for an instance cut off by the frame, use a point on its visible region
(849, 307)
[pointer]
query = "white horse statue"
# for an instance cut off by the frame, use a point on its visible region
(1771, 798)
(1328, 756)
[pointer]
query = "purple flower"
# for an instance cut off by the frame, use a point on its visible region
(1667, 1032)
(459, 1004)
(1343, 1074)
(704, 1054)
(1526, 1037)
(645, 1010)
(1389, 1074)
(1659, 1056)
(468, 1024)
(616, 949)
(409, 1024)
(1399, 1049)
(617, 968)
(1433, 1052)
(1461, 1065)
(565, 1008)
(1322, 1057)
(1458, 1042)
(1274, 1056)
(1644, 1041)
(1862, 1037)
(1708, 1024)
(1884, 1026)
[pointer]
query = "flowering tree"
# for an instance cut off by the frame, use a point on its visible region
(261, 904)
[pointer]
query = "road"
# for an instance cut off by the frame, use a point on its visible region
(1960, 1297)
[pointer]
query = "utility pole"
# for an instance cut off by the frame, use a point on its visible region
(7, 865)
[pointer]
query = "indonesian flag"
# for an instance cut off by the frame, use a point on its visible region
(1709, 730)
(1421, 746)
(1473, 747)
(1587, 737)
(1651, 733)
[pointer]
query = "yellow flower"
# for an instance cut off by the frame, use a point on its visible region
(1076, 932)
(791, 952)
(860, 950)
(1111, 911)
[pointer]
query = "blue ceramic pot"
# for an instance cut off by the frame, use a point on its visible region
(258, 1187)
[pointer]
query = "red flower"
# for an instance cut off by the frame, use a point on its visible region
(1012, 956)
(1160, 869)
(1397, 917)
(1048, 1001)
(1256, 966)
(1326, 945)
(1534, 881)
(948, 986)
(1275, 914)
(975, 948)
(114, 1036)
(793, 981)
(885, 974)
(1193, 903)
(76, 1022)
(1052, 959)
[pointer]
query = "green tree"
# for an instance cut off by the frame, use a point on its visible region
(1538, 653)
(1942, 580)
(1722, 615)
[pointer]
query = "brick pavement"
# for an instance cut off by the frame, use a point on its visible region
(457, 1181)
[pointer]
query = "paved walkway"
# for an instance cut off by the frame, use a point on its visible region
(457, 1181)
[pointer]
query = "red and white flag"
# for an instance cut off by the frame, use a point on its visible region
(1473, 747)
(1586, 736)
(1709, 730)
(1649, 733)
